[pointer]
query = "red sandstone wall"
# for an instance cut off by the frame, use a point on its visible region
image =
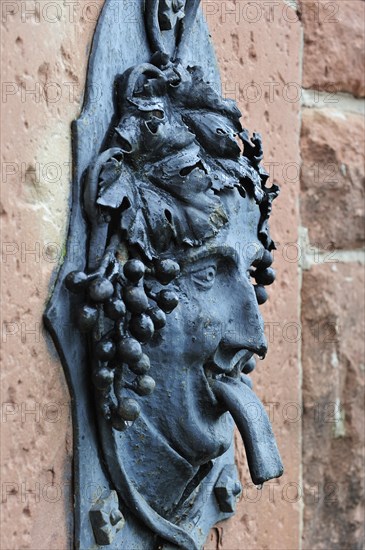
(332, 211)
(312, 379)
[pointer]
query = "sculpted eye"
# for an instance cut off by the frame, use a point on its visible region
(205, 277)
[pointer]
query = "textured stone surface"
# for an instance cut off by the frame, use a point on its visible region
(333, 178)
(334, 41)
(49, 57)
(333, 399)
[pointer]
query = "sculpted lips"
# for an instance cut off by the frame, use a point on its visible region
(227, 362)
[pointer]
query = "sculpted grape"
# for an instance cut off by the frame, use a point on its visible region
(105, 350)
(135, 299)
(142, 366)
(134, 270)
(145, 385)
(115, 309)
(167, 300)
(142, 327)
(158, 317)
(87, 318)
(129, 350)
(265, 276)
(265, 261)
(261, 294)
(103, 378)
(129, 409)
(76, 281)
(101, 289)
(166, 271)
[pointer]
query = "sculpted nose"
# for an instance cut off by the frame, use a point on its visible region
(243, 332)
(255, 343)
(253, 330)
(261, 349)
(246, 326)
(239, 347)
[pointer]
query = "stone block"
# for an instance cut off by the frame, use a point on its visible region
(334, 43)
(332, 178)
(333, 406)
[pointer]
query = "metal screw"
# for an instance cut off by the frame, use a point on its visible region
(227, 489)
(106, 518)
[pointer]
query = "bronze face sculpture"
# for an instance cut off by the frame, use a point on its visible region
(166, 299)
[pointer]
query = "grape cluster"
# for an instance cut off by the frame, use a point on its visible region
(264, 275)
(120, 298)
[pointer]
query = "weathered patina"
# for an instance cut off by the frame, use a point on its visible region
(155, 311)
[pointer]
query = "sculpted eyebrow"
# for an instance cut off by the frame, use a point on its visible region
(217, 251)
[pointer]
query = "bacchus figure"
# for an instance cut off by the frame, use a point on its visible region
(179, 257)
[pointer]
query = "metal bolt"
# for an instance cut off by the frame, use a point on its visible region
(227, 489)
(106, 518)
